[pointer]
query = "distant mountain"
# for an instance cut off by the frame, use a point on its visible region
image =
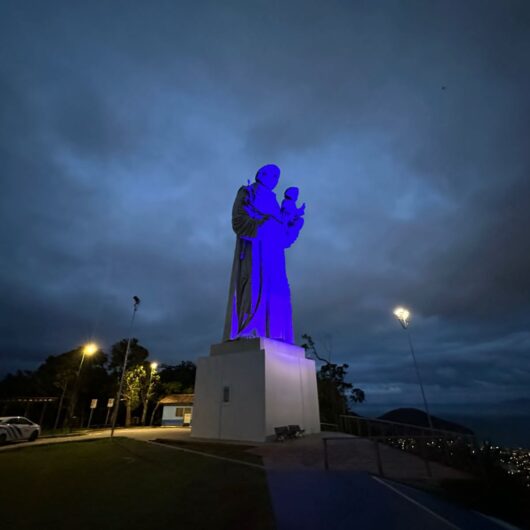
(419, 418)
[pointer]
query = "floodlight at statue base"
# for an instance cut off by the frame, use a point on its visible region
(247, 387)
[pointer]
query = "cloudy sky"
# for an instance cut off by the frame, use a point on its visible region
(127, 127)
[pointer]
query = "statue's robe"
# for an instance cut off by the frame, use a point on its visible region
(259, 300)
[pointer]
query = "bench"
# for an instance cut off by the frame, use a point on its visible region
(288, 432)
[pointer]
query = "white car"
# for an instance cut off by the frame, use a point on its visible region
(17, 428)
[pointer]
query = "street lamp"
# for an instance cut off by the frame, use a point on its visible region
(403, 316)
(136, 303)
(88, 350)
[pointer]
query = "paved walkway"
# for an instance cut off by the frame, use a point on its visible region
(337, 500)
(305, 496)
(351, 453)
(136, 433)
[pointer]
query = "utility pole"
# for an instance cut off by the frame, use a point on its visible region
(136, 303)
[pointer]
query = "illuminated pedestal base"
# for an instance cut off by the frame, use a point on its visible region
(247, 387)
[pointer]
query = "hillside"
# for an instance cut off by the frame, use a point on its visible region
(418, 417)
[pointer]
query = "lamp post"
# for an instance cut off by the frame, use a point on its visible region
(403, 316)
(88, 350)
(136, 303)
(60, 406)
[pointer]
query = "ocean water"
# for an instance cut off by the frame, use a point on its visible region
(504, 426)
(500, 429)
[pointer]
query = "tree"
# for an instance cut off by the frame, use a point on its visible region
(180, 378)
(334, 392)
(137, 355)
(63, 378)
(149, 390)
(135, 380)
(20, 384)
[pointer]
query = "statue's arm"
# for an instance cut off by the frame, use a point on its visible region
(292, 231)
(243, 224)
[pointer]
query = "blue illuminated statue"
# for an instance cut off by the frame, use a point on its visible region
(259, 301)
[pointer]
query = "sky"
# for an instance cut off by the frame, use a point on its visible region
(126, 129)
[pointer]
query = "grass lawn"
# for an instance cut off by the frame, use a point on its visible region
(126, 484)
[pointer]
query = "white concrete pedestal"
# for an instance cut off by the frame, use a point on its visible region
(247, 387)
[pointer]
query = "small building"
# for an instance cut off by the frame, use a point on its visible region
(177, 409)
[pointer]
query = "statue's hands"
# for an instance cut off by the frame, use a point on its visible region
(266, 217)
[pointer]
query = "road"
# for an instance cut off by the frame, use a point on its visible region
(137, 433)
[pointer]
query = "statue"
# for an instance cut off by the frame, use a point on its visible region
(259, 300)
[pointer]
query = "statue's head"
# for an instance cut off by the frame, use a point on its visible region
(268, 175)
(291, 193)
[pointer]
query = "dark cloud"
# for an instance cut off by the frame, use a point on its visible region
(126, 129)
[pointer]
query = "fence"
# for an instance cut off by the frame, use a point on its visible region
(453, 449)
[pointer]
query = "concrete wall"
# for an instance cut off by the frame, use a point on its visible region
(242, 417)
(291, 397)
(271, 384)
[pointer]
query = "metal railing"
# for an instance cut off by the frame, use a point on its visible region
(329, 427)
(453, 449)
(369, 427)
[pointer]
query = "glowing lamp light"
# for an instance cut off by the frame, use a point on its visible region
(402, 315)
(154, 366)
(90, 349)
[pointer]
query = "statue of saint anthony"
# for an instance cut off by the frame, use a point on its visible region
(259, 300)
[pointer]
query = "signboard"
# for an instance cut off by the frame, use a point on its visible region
(110, 403)
(93, 403)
